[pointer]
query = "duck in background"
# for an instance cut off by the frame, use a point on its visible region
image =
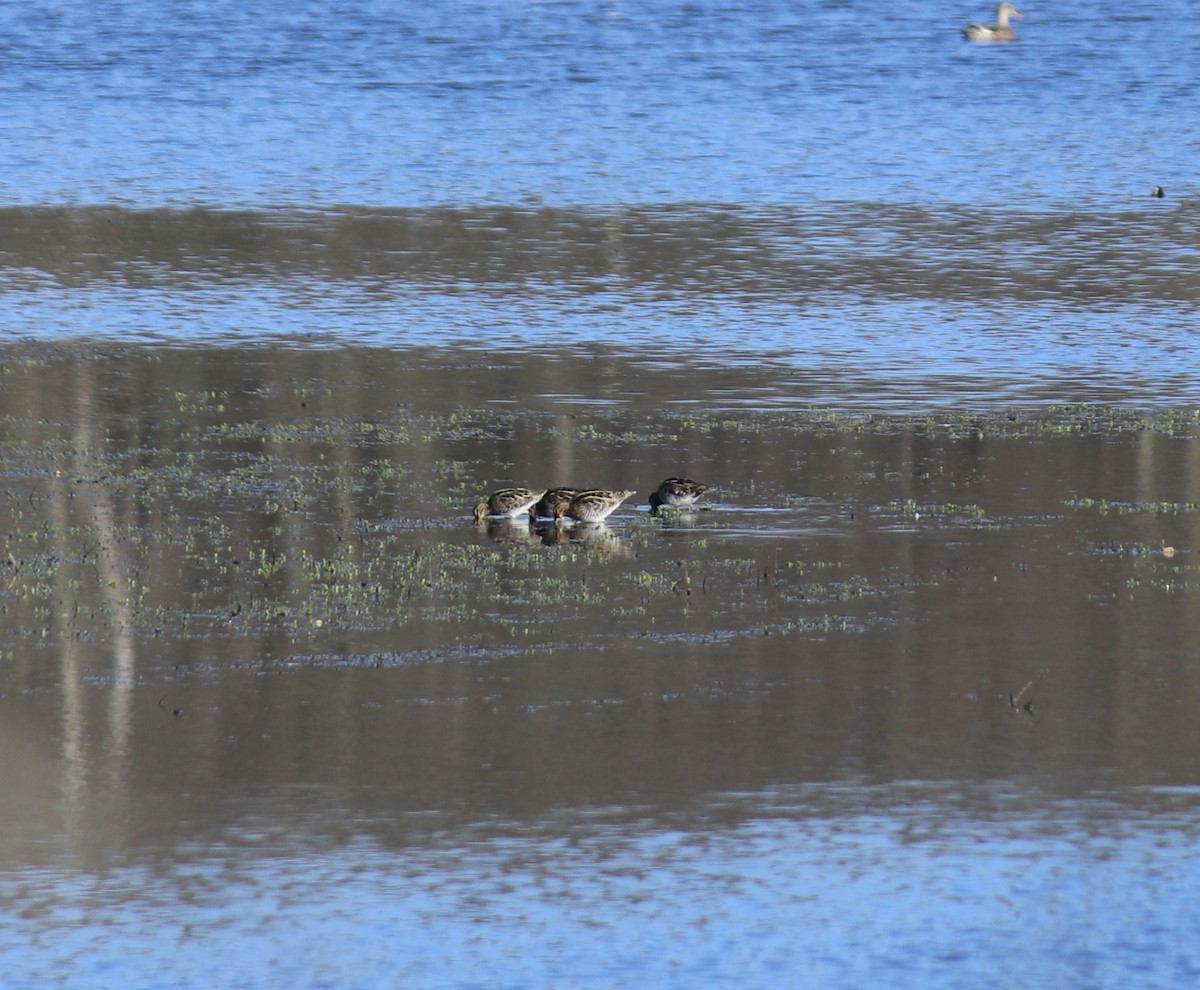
(1000, 31)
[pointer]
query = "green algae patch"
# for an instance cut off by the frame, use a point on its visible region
(1116, 507)
(305, 513)
(938, 510)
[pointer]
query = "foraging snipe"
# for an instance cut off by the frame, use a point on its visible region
(547, 503)
(591, 506)
(507, 502)
(678, 492)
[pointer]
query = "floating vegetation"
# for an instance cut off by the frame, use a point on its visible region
(1074, 420)
(918, 510)
(1133, 549)
(284, 509)
(360, 434)
(184, 547)
(1106, 506)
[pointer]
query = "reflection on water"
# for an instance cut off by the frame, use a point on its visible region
(275, 712)
(807, 253)
(817, 887)
(598, 537)
(273, 545)
(508, 530)
(870, 306)
(249, 622)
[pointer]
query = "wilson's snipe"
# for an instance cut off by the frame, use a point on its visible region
(593, 505)
(678, 492)
(547, 503)
(508, 502)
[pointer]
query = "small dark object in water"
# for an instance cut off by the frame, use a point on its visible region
(1014, 700)
(1157, 192)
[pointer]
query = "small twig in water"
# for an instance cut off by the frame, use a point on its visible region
(1014, 700)
(174, 711)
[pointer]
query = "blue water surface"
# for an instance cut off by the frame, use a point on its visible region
(597, 103)
(901, 893)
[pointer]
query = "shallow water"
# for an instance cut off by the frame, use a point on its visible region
(264, 677)
(823, 886)
(907, 702)
(869, 308)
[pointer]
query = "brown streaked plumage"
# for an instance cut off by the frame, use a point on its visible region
(508, 502)
(677, 492)
(544, 509)
(594, 505)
